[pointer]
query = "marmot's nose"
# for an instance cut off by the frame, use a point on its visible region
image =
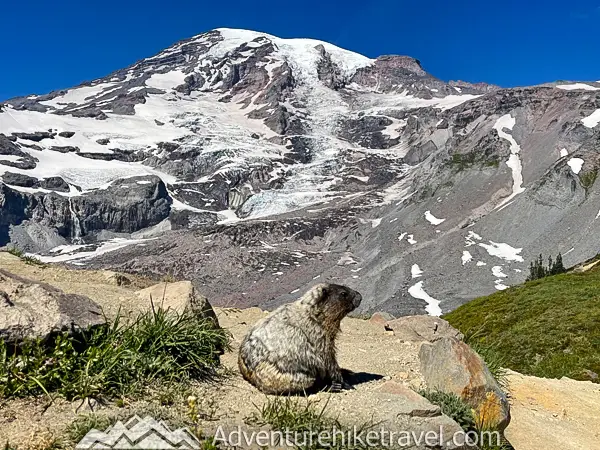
(357, 300)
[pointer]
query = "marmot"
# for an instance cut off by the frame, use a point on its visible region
(292, 350)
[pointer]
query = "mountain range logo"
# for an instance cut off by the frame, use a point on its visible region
(142, 434)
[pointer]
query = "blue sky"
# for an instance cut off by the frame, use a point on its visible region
(50, 45)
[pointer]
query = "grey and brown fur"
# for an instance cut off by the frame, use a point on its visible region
(292, 350)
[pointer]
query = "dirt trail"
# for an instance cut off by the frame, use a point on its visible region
(549, 414)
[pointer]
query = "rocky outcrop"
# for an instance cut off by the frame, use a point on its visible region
(451, 366)
(125, 206)
(30, 309)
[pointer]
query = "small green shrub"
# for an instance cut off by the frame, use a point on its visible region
(114, 360)
(453, 406)
(462, 161)
(588, 179)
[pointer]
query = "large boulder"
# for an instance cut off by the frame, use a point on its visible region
(451, 366)
(178, 297)
(423, 328)
(29, 309)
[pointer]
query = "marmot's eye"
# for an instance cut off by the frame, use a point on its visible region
(344, 294)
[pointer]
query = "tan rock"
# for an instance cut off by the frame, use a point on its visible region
(178, 297)
(115, 278)
(423, 328)
(452, 366)
(381, 318)
(419, 406)
(29, 309)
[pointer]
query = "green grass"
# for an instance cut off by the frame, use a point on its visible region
(301, 415)
(31, 260)
(116, 360)
(453, 406)
(77, 429)
(547, 327)
(462, 161)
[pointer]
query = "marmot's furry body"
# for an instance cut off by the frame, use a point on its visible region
(292, 350)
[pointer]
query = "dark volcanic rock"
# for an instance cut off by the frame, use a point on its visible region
(35, 137)
(17, 179)
(127, 205)
(66, 134)
(13, 206)
(116, 155)
(8, 147)
(65, 149)
(327, 71)
(55, 184)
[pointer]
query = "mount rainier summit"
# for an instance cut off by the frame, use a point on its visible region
(257, 166)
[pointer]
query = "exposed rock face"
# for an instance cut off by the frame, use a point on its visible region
(452, 366)
(441, 191)
(125, 206)
(36, 310)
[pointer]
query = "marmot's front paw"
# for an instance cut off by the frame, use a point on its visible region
(340, 386)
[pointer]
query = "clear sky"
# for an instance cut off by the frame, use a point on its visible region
(48, 45)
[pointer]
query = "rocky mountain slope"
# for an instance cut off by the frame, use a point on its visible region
(256, 166)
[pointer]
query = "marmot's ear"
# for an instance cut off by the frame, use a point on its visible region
(323, 292)
(316, 295)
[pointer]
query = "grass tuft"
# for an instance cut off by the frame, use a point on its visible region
(302, 417)
(115, 360)
(453, 406)
(31, 260)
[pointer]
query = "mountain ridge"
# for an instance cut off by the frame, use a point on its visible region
(276, 163)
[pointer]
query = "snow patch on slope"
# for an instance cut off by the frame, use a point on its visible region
(78, 95)
(514, 161)
(466, 257)
(432, 219)
(575, 164)
(503, 251)
(497, 272)
(166, 81)
(416, 271)
(433, 305)
(592, 120)
(575, 86)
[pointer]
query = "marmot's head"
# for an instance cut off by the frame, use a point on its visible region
(331, 302)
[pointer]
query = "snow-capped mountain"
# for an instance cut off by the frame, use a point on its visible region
(272, 163)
